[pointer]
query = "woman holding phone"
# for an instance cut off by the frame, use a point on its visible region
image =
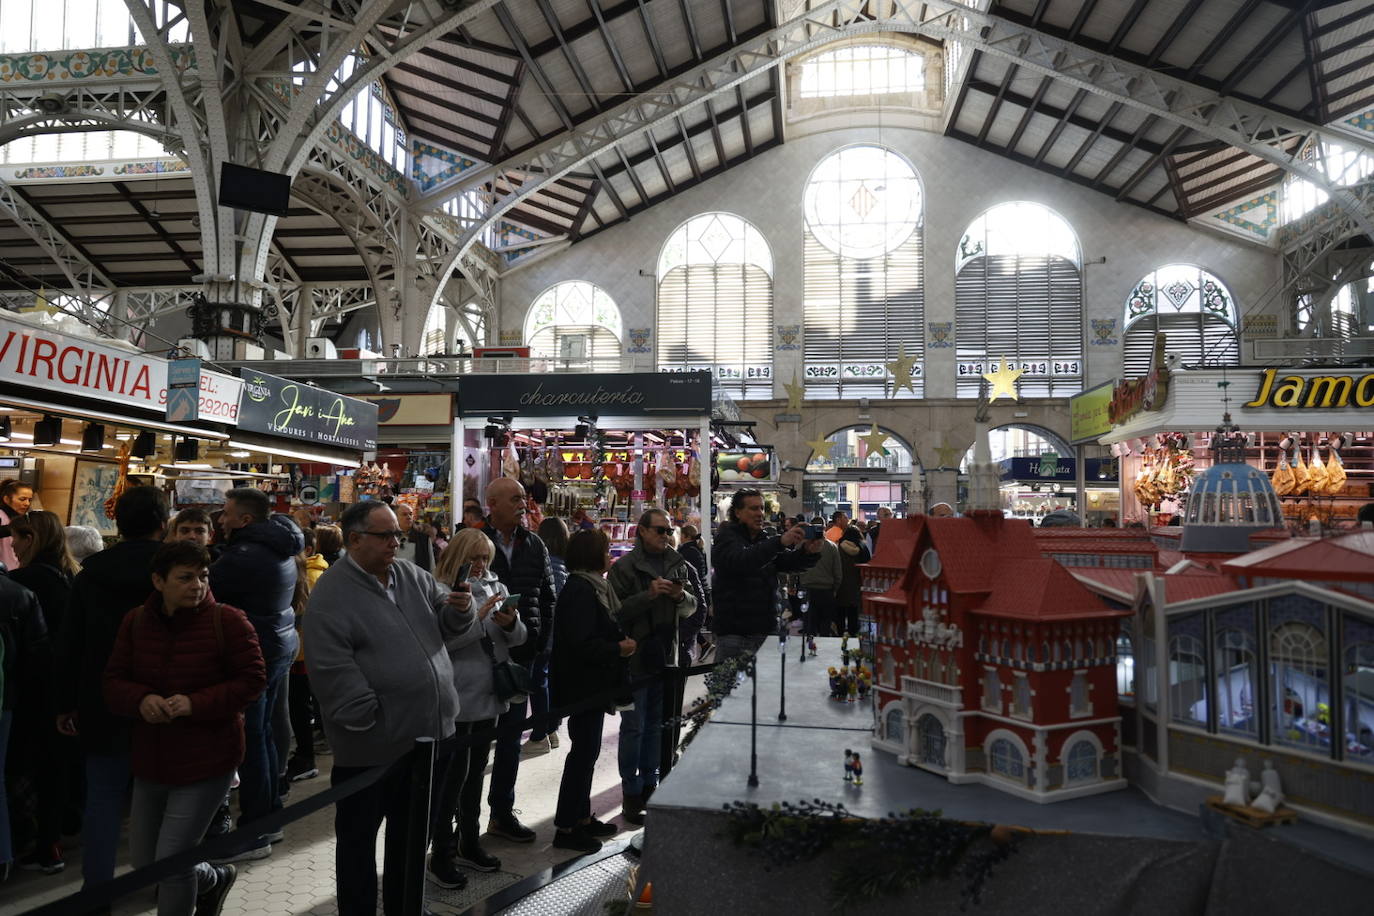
(473, 656)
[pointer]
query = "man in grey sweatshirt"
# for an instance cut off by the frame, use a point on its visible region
(375, 634)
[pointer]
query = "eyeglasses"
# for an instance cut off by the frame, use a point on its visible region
(387, 535)
(661, 529)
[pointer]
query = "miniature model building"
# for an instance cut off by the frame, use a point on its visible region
(994, 664)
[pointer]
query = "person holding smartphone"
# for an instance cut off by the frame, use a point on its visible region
(652, 582)
(468, 558)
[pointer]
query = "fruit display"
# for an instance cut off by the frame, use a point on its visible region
(736, 467)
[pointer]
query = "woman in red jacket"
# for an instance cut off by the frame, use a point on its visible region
(184, 667)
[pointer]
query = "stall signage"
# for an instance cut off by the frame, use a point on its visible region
(281, 407)
(41, 358)
(753, 465)
(1088, 413)
(631, 394)
(183, 390)
(1042, 467)
(1318, 391)
(412, 409)
(1149, 393)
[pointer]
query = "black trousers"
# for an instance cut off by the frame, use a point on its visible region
(460, 793)
(357, 819)
(575, 789)
(820, 612)
(301, 704)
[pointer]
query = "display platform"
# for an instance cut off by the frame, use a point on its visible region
(1111, 853)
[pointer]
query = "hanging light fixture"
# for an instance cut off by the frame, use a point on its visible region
(47, 431)
(93, 439)
(145, 446)
(187, 450)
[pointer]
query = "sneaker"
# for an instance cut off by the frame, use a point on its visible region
(234, 783)
(444, 873)
(553, 739)
(599, 829)
(222, 823)
(534, 747)
(577, 840)
(261, 851)
(508, 825)
(276, 836)
(298, 769)
(211, 902)
(475, 857)
(47, 859)
(632, 809)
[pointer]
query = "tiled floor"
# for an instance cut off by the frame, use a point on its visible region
(298, 878)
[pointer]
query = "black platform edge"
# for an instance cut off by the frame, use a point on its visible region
(512, 894)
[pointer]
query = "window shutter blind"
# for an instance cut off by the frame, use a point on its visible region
(719, 317)
(1197, 339)
(603, 347)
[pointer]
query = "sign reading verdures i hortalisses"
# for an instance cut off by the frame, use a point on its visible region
(281, 407)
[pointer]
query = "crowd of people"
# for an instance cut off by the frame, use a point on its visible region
(204, 652)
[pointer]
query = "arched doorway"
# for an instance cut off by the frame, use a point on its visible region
(1039, 476)
(930, 739)
(855, 476)
(895, 724)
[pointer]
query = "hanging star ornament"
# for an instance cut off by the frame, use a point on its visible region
(874, 440)
(1003, 380)
(900, 369)
(795, 393)
(820, 448)
(949, 455)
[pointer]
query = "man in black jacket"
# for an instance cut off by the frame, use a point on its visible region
(521, 562)
(110, 584)
(257, 574)
(418, 547)
(746, 563)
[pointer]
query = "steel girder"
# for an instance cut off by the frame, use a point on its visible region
(1257, 130)
(1315, 266)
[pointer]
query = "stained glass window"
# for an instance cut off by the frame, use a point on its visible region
(1007, 760)
(1194, 310)
(715, 303)
(862, 70)
(1081, 761)
(863, 297)
(575, 323)
(1019, 295)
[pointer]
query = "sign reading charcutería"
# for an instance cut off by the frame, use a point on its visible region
(281, 407)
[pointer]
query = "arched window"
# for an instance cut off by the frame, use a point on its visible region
(1080, 763)
(434, 338)
(1007, 760)
(715, 303)
(895, 725)
(1359, 689)
(575, 323)
(1187, 677)
(1018, 294)
(1192, 308)
(863, 288)
(1235, 661)
(858, 70)
(1301, 691)
(930, 734)
(849, 449)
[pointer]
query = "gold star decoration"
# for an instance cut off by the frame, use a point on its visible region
(874, 440)
(901, 370)
(1003, 379)
(795, 392)
(820, 448)
(949, 455)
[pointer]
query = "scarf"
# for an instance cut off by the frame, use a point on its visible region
(604, 593)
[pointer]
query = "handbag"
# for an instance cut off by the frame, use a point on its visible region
(509, 681)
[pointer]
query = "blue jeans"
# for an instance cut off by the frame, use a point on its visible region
(505, 764)
(641, 734)
(107, 779)
(166, 820)
(258, 774)
(6, 849)
(539, 698)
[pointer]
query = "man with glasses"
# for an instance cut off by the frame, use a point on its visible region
(655, 587)
(375, 634)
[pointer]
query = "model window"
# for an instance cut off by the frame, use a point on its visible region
(715, 303)
(862, 70)
(896, 727)
(1079, 702)
(1007, 760)
(1187, 676)
(575, 324)
(1019, 295)
(992, 692)
(1081, 762)
(1235, 661)
(1021, 697)
(1125, 664)
(1192, 307)
(931, 734)
(1301, 690)
(863, 287)
(1359, 690)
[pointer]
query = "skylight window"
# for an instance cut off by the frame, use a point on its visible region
(58, 25)
(1342, 166)
(862, 70)
(80, 146)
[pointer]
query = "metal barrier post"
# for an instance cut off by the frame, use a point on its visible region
(417, 838)
(753, 671)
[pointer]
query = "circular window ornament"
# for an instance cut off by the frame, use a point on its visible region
(930, 564)
(862, 202)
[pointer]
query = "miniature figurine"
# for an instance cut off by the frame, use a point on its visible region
(811, 646)
(865, 685)
(857, 768)
(844, 649)
(849, 757)
(835, 683)
(851, 687)
(1238, 784)
(1267, 801)
(1269, 779)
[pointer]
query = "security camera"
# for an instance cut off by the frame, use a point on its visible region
(51, 103)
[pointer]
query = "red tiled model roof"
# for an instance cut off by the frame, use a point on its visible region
(1040, 589)
(969, 545)
(1118, 580)
(1349, 557)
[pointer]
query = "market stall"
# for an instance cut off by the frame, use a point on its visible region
(603, 447)
(1033, 487)
(412, 462)
(1310, 430)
